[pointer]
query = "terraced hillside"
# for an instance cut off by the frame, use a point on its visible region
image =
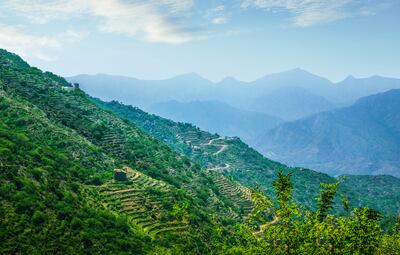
(238, 194)
(58, 154)
(232, 157)
(146, 201)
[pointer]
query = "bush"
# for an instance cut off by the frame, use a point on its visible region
(38, 218)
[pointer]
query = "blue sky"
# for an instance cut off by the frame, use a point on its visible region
(246, 39)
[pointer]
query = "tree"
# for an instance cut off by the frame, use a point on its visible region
(325, 200)
(262, 207)
(283, 188)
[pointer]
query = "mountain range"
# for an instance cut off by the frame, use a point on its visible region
(363, 138)
(288, 95)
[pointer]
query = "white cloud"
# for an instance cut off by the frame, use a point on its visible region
(154, 20)
(219, 20)
(18, 40)
(218, 15)
(311, 12)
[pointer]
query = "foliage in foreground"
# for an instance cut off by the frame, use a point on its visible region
(292, 232)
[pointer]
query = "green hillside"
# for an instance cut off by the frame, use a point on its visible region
(232, 157)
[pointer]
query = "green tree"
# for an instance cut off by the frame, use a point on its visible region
(283, 188)
(325, 200)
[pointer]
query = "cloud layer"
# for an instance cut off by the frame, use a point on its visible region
(19, 40)
(311, 12)
(218, 15)
(155, 21)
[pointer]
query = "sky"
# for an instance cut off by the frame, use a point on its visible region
(245, 39)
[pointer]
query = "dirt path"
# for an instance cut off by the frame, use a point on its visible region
(223, 148)
(210, 142)
(264, 226)
(219, 168)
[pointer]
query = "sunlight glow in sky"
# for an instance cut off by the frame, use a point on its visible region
(157, 39)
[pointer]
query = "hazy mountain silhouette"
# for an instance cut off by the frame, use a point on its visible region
(361, 139)
(288, 95)
(291, 103)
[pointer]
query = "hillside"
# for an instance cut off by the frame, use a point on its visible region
(234, 158)
(217, 117)
(361, 139)
(383, 188)
(59, 152)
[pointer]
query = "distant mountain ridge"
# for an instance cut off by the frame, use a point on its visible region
(361, 139)
(291, 102)
(318, 94)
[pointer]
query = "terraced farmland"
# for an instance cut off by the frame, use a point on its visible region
(238, 194)
(144, 200)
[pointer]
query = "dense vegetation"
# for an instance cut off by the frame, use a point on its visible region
(318, 232)
(44, 200)
(58, 154)
(382, 193)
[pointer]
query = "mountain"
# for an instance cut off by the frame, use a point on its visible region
(288, 95)
(295, 78)
(252, 96)
(345, 92)
(361, 139)
(144, 93)
(217, 117)
(234, 158)
(351, 89)
(291, 103)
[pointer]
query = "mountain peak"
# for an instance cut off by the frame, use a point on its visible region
(294, 76)
(350, 78)
(189, 76)
(228, 79)
(299, 72)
